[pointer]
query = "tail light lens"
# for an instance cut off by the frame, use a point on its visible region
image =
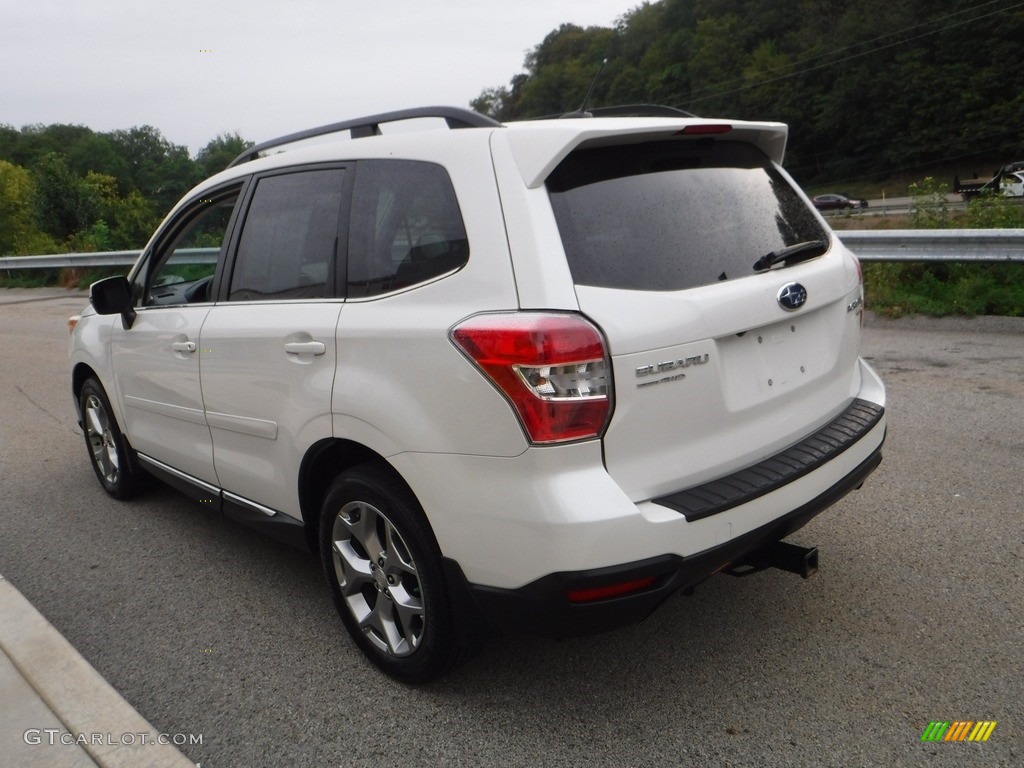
(860, 282)
(552, 368)
(705, 129)
(859, 268)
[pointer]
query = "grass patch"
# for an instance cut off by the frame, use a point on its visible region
(28, 278)
(65, 278)
(949, 288)
(83, 278)
(943, 288)
(856, 221)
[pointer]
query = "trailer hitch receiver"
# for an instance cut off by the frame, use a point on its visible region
(802, 561)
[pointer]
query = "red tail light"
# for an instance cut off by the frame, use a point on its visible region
(552, 368)
(860, 282)
(705, 129)
(860, 269)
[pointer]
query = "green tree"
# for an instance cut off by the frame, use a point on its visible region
(127, 221)
(219, 152)
(559, 72)
(493, 102)
(717, 63)
(867, 87)
(62, 204)
(18, 234)
(97, 152)
(158, 169)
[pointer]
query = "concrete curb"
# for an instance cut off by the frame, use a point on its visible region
(57, 710)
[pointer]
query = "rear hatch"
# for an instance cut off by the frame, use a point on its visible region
(717, 364)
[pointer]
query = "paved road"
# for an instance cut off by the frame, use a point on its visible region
(916, 614)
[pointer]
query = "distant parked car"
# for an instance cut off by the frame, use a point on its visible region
(837, 203)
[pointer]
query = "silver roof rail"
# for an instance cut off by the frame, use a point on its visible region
(361, 127)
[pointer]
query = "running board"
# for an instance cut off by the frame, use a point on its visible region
(263, 519)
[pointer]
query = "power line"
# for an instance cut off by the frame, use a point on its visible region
(749, 86)
(859, 44)
(826, 155)
(898, 169)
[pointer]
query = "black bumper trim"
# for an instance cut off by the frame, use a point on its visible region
(776, 471)
(541, 608)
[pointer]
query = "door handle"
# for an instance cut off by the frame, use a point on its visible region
(183, 346)
(305, 348)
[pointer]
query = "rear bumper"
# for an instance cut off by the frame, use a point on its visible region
(814, 451)
(543, 608)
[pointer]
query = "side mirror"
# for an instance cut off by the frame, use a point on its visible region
(113, 296)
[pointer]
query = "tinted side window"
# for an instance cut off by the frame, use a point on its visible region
(186, 259)
(289, 238)
(671, 215)
(406, 226)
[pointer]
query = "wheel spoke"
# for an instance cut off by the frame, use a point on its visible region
(380, 627)
(112, 459)
(396, 553)
(96, 445)
(105, 463)
(95, 415)
(97, 424)
(361, 521)
(408, 615)
(352, 570)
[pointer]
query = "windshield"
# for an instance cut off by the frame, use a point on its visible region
(670, 215)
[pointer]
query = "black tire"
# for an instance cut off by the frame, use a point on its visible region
(108, 450)
(384, 570)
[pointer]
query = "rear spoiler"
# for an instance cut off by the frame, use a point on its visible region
(538, 147)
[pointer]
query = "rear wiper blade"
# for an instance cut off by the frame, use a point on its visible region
(792, 254)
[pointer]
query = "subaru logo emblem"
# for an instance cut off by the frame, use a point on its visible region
(792, 296)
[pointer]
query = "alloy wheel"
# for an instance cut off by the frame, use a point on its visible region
(378, 578)
(101, 440)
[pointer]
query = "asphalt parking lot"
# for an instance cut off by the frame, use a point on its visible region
(916, 615)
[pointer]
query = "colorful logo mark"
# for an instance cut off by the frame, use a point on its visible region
(958, 730)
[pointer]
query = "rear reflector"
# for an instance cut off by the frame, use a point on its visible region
(611, 590)
(552, 368)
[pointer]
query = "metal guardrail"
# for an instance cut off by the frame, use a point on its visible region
(63, 260)
(977, 245)
(103, 259)
(984, 246)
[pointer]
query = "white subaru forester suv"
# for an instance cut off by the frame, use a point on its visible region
(533, 377)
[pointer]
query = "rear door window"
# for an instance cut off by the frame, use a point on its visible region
(671, 215)
(289, 238)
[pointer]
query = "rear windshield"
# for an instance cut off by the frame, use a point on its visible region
(670, 215)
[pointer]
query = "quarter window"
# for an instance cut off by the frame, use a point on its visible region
(289, 238)
(406, 227)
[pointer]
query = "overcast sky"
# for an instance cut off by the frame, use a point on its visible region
(198, 68)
